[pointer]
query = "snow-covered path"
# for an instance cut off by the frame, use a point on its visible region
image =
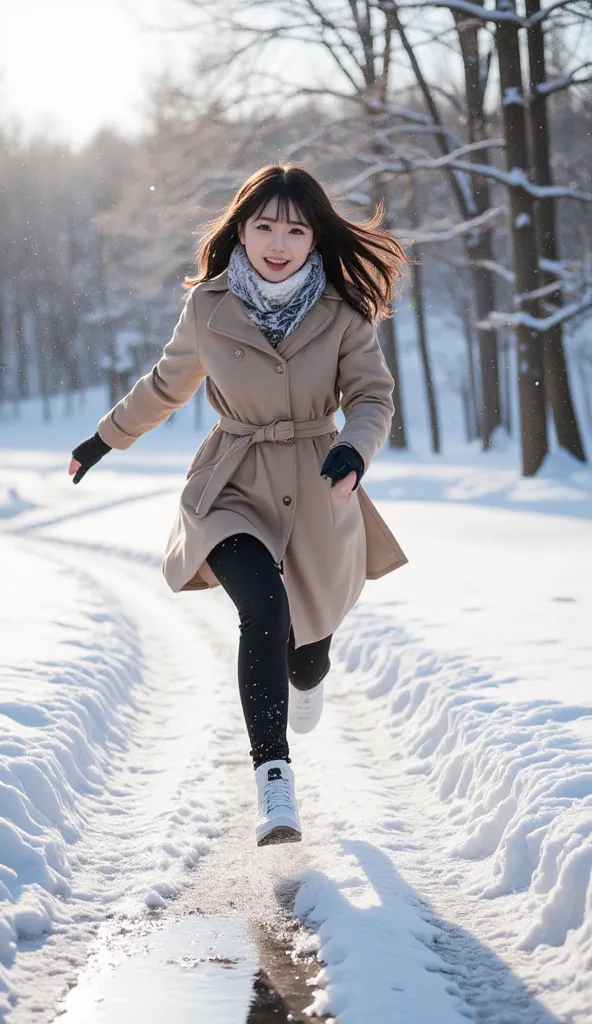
(110, 722)
(445, 872)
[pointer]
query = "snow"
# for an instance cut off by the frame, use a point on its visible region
(513, 96)
(446, 795)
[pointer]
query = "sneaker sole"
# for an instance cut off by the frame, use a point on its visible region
(280, 834)
(303, 730)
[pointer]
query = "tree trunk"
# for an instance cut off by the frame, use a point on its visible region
(531, 384)
(473, 405)
(557, 386)
(487, 340)
(465, 401)
(423, 348)
(505, 353)
(479, 245)
(417, 291)
(387, 332)
(585, 387)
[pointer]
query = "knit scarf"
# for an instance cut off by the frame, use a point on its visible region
(276, 307)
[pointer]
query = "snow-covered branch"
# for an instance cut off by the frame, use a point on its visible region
(539, 324)
(539, 293)
(564, 278)
(405, 166)
(557, 84)
(543, 14)
(482, 14)
(476, 11)
(515, 178)
(442, 233)
(497, 268)
(572, 272)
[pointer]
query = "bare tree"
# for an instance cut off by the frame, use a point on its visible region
(557, 387)
(531, 383)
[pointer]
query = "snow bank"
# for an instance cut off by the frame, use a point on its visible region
(68, 666)
(513, 778)
(112, 758)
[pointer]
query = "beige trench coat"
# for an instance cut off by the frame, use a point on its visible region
(257, 471)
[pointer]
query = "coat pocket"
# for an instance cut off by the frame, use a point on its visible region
(345, 512)
(195, 466)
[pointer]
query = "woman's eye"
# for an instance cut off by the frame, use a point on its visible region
(298, 231)
(263, 227)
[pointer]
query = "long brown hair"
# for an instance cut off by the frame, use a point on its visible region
(362, 261)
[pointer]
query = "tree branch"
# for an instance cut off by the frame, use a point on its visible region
(434, 234)
(556, 84)
(540, 324)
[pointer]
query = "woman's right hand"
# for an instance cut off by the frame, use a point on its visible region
(87, 454)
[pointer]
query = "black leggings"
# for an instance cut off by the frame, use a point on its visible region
(266, 654)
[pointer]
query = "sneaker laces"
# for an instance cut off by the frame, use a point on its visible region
(306, 697)
(277, 793)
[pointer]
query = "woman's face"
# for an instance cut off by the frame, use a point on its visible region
(276, 247)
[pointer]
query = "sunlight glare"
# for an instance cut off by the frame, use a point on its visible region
(69, 66)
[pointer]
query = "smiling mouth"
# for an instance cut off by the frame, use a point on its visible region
(276, 264)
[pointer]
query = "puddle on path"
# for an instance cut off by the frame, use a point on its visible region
(188, 971)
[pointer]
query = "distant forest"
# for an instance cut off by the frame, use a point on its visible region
(472, 126)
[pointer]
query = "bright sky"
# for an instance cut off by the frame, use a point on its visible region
(72, 65)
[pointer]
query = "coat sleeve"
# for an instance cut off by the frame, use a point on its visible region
(170, 383)
(366, 387)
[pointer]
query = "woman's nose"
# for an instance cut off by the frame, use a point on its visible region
(278, 242)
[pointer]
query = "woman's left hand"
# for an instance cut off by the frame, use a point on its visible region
(345, 487)
(344, 467)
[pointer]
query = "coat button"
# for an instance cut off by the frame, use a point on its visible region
(238, 353)
(279, 368)
(287, 500)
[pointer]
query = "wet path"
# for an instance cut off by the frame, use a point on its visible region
(222, 951)
(193, 969)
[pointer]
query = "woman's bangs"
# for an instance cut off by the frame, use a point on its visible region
(290, 205)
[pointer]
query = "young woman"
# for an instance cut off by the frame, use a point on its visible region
(280, 323)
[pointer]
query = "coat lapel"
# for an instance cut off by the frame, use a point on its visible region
(316, 320)
(230, 318)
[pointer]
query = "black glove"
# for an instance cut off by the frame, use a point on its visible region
(341, 460)
(88, 453)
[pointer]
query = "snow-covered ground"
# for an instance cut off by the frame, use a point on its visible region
(446, 797)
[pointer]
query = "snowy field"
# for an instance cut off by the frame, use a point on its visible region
(445, 873)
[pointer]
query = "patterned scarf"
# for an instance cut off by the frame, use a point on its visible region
(277, 307)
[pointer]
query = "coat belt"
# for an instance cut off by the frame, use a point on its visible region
(280, 431)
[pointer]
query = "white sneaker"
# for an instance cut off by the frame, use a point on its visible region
(277, 820)
(305, 708)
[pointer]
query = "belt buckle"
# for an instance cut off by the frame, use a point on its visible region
(287, 440)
